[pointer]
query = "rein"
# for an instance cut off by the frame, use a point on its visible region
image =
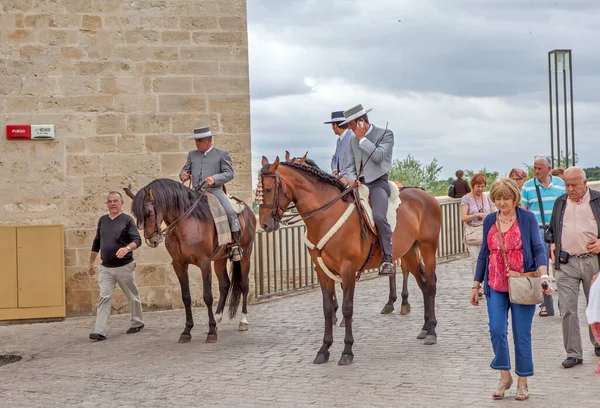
(290, 219)
(169, 228)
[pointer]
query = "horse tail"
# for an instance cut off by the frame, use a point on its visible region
(236, 288)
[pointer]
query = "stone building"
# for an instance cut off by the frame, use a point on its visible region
(124, 83)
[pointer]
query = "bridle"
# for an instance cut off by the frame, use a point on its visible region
(162, 233)
(278, 213)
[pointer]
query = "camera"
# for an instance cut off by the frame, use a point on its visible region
(548, 236)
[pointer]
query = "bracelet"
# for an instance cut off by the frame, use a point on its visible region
(544, 276)
(475, 287)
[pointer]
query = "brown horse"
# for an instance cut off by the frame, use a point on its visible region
(406, 260)
(191, 238)
(314, 192)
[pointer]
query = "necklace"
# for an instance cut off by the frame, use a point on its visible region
(507, 221)
(477, 204)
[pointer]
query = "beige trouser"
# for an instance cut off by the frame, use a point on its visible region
(107, 279)
(568, 278)
(473, 254)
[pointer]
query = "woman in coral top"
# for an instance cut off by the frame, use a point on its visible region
(525, 252)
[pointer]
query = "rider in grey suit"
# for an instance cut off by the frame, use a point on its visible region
(213, 166)
(341, 157)
(370, 162)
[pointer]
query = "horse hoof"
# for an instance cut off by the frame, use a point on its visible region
(185, 338)
(321, 358)
(405, 309)
(243, 326)
(387, 309)
(346, 359)
(211, 338)
(422, 334)
(343, 323)
(430, 339)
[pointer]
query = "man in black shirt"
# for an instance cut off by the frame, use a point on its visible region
(116, 239)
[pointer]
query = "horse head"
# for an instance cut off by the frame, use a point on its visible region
(275, 198)
(148, 219)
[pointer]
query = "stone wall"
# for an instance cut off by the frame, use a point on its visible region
(124, 82)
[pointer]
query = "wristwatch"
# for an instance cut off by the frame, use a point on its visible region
(128, 248)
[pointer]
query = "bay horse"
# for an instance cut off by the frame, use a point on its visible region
(405, 261)
(321, 200)
(191, 238)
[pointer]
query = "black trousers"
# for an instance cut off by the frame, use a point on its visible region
(379, 194)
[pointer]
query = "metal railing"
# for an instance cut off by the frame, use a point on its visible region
(283, 265)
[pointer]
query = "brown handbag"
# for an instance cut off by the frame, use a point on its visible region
(524, 288)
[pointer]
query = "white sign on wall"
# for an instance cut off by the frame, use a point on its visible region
(42, 131)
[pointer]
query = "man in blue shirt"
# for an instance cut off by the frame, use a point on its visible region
(341, 157)
(550, 189)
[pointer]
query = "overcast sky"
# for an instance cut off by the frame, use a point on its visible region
(463, 81)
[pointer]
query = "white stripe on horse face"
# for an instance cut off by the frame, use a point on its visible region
(244, 318)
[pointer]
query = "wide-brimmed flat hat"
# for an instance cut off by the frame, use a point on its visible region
(201, 133)
(354, 113)
(336, 117)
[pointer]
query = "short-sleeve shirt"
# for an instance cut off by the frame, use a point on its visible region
(549, 194)
(477, 206)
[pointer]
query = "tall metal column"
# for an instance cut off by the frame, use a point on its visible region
(559, 63)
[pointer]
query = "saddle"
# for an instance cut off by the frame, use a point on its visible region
(220, 216)
(393, 203)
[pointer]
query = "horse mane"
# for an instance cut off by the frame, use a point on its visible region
(169, 195)
(313, 171)
(307, 161)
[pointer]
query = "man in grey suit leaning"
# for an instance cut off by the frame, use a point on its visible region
(341, 157)
(370, 162)
(213, 166)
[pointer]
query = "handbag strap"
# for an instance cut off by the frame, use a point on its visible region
(539, 196)
(502, 242)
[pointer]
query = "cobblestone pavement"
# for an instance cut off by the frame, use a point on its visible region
(272, 363)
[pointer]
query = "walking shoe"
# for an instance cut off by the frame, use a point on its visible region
(135, 329)
(387, 266)
(97, 336)
(597, 351)
(571, 362)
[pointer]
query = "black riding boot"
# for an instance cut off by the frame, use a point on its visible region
(387, 266)
(235, 252)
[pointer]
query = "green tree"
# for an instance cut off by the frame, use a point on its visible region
(490, 176)
(411, 172)
(592, 173)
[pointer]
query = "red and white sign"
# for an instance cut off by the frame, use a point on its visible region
(18, 131)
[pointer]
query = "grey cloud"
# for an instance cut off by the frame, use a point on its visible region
(450, 52)
(490, 54)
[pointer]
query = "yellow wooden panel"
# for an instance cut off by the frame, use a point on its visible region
(32, 313)
(41, 273)
(8, 267)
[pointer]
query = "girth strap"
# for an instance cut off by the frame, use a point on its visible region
(326, 239)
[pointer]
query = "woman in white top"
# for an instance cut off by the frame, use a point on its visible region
(474, 206)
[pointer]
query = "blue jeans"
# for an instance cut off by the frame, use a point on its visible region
(498, 304)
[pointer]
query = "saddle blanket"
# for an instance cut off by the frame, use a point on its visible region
(220, 217)
(393, 204)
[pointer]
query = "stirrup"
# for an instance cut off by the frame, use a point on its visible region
(391, 265)
(236, 253)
